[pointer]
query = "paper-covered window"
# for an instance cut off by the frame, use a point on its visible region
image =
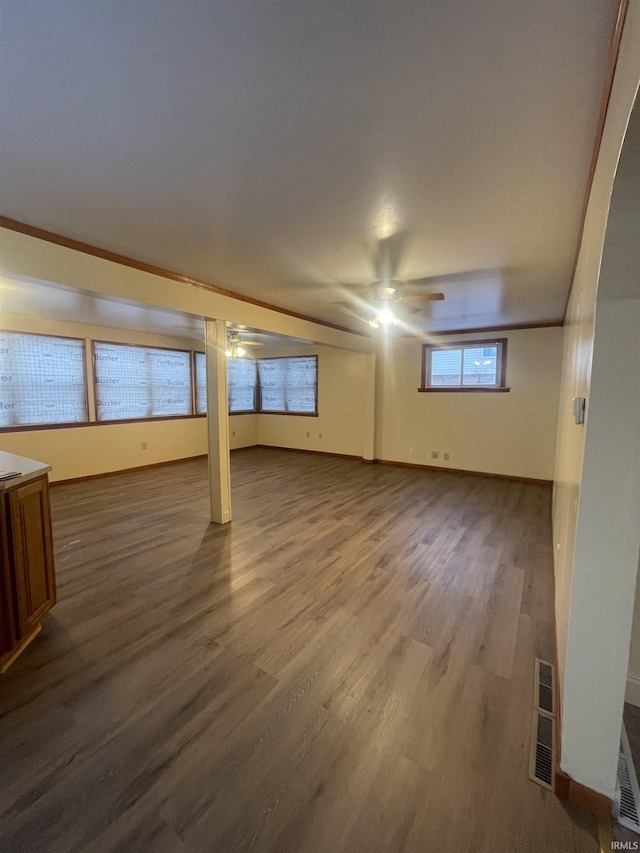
(242, 380)
(136, 382)
(289, 385)
(42, 380)
(200, 367)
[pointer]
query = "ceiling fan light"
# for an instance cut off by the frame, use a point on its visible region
(228, 353)
(374, 324)
(240, 351)
(385, 317)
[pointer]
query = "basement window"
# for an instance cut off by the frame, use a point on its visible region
(465, 366)
(242, 382)
(242, 385)
(268, 386)
(42, 380)
(288, 386)
(200, 370)
(135, 382)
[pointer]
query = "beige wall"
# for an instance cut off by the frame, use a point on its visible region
(341, 406)
(243, 431)
(510, 433)
(594, 470)
(82, 451)
(98, 448)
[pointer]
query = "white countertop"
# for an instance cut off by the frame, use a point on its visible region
(29, 469)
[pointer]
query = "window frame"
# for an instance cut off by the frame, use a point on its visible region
(61, 424)
(501, 363)
(260, 410)
(152, 418)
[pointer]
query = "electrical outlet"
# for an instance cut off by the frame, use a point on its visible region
(308, 435)
(446, 456)
(144, 445)
(319, 435)
(411, 451)
(233, 433)
(435, 454)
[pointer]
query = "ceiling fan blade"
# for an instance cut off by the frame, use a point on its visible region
(422, 297)
(463, 277)
(252, 343)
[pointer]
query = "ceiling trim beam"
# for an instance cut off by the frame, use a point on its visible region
(510, 327)
(114, 257)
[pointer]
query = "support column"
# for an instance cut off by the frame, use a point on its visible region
(215, 340)
(369, 413)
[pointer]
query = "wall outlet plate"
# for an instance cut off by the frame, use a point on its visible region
(579, 408)
(446, 456)
(435, 454)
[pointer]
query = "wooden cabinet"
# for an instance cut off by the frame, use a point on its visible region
(27, 577)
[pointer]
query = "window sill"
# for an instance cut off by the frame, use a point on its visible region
(464, 390)
(77, 424)
(292, 414)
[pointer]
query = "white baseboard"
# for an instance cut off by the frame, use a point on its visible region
(632, 693)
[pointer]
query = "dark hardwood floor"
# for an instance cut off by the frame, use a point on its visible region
(346, 667)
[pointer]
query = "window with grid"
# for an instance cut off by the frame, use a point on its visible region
(42, 380)
(242, 382)
(289, 385)
(465, 365)
(134, 382)
(242, 385)
(200, 367)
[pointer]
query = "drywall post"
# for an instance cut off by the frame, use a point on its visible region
(369, 412)
(215, 340)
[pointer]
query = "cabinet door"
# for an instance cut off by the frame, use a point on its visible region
(8, 628)
(32, 553)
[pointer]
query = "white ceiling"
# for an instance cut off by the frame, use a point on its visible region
(64, 304)
(265, 146)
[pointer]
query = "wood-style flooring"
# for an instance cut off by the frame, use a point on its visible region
(346, 667)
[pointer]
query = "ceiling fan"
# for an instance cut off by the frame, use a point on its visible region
(378, 303)
(378, 300)
(236, 345)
